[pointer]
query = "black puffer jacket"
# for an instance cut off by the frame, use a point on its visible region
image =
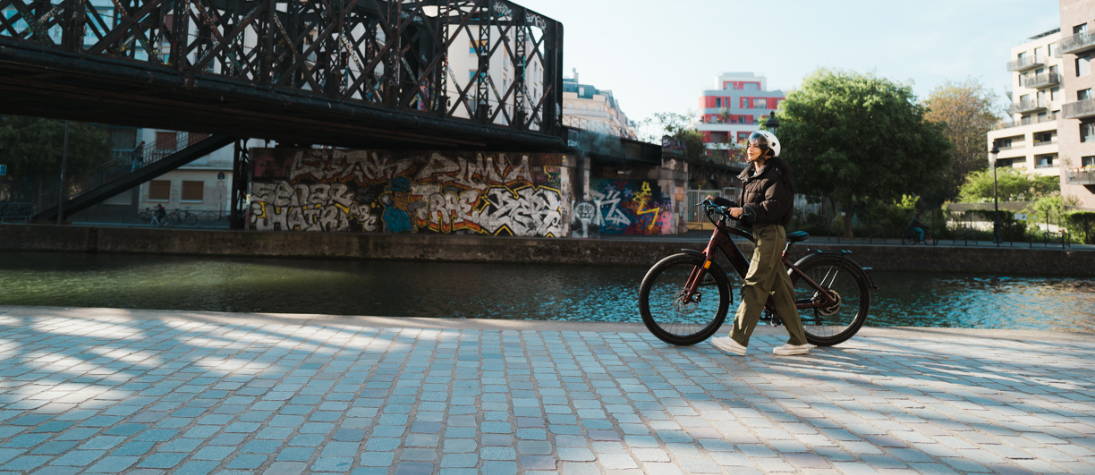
(768, 197)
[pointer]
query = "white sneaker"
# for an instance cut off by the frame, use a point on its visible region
(729, 346)
(790, 350)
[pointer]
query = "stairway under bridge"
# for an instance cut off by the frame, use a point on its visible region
(416, 74)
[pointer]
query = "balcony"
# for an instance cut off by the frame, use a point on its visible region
(1079, 109)
(1026, 63)
(1080, 176)
(1044, 80)
(1077, 43)
(1024, 107)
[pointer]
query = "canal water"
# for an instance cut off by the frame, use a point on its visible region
(506, 291)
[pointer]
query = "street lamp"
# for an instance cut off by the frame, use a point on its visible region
(995, 199)
(772, 123)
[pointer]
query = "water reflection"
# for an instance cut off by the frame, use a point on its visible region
(515, 291)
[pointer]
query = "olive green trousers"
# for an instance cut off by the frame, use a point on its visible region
(767, 276)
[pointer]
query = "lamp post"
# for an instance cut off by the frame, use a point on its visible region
(772, 123)
(995, 200)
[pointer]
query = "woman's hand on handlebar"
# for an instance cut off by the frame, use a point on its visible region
(735, 212)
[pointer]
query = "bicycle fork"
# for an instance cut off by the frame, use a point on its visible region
(694, 278)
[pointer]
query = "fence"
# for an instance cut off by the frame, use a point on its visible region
(966, 227)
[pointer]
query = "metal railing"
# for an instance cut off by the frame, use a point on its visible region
(1044, 80)
(1025, 63)
(1076, 43)
(1033, 119)
(1080, 176)
(1026, 106)
(1078, 109)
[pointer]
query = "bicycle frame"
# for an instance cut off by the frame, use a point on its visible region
(721, 240)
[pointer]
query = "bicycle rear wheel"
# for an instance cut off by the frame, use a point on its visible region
(848, 286)
(662, 305)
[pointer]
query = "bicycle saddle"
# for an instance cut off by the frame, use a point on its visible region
(797, 236)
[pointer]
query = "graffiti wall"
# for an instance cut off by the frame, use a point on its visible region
(491, 193)
(625, 207)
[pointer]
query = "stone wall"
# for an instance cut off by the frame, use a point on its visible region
(469, 248)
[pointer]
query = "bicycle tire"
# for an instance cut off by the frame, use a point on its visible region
(835, 325)
(677, 324)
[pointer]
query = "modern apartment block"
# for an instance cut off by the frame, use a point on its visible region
(734, 110)
(1051, 130)
(588, 108)
(1029, 139)
(1077, 123)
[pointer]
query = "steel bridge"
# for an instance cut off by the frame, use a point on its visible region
(412, 74)
(431, 74)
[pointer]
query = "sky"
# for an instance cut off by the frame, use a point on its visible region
(659, 56)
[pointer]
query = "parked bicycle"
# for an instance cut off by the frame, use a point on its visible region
(180, 217)
(684, 297)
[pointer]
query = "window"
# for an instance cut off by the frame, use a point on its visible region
(1049, 50)
(1042, 138)
(1003, 143)
(159, 190)
(166, 141)
(1079, 29)
(1044, 161)
(193, 190)
(1087, 130)
(1054, 93)
(718, 102)
(1083, 94)
(1088, 161)
(1004, 163)
(1083, 64)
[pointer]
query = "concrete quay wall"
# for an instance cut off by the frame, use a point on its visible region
(469, 248)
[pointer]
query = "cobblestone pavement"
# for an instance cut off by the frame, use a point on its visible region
(106, 390)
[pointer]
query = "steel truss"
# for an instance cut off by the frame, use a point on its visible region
(405, 55)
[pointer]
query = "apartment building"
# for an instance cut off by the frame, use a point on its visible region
(1051, 129)
(588, 108)
(1029, 139)
(734, 110)
(1077, 122)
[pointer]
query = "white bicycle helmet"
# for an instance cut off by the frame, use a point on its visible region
(765, 139)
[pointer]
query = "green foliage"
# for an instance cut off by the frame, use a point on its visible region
(856, 138)
(1011, 184)
(1081, 226)
(967, 111)
(31, 147)
(1048, 209)
(680, 128)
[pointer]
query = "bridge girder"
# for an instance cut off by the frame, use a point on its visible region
(340, 72)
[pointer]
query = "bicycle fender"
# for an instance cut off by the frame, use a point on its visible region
(692, 252)
(844, 257)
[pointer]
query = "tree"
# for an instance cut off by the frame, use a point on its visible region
(679, 127)
(855, 138)
(1010, 184)
(32, 146)
(967, 113)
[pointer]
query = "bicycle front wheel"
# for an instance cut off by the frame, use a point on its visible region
(849, 302)
(674, 317)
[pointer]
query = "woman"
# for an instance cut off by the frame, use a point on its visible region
(767, 200)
